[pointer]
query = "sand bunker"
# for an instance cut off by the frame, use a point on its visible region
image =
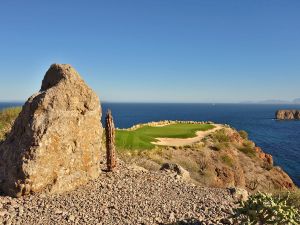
(186, 141)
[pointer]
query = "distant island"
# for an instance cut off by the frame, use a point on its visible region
(287, 115)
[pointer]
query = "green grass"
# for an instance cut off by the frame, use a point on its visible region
(141, 138)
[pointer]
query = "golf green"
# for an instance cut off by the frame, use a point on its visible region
(142, 137)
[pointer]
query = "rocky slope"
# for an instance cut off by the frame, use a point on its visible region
(225, 158)
(288, 115)
(130, 195)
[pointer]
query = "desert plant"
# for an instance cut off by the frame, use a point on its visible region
(227, 160)
(248, 148)
(264, 208)
(203, 163)
(219, 146)
(243, 134)
(110, 141)
(220, 140)
(220, 136)
(294, 197)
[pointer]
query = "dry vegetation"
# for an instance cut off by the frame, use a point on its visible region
(7, 117)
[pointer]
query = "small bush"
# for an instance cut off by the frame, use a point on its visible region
(203, 164)
(293, 199)
(248, 149)
(220, 146)
(243, 134)
(266, 209)
(220, 136)
(227, 160)
(220, 140)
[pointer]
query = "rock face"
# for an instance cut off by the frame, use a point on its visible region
(264, 156)
(288, 115)
(55, 142)
(177, 169)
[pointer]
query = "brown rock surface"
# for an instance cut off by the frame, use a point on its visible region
(288, 114)
(55, 142)
(264, 156)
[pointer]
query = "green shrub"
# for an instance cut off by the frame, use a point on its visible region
(243, 134)
(264, 208)
(220, 140)
(218, 146)
(248, 148)
(294, 197)
(227, 160)
(220, 136)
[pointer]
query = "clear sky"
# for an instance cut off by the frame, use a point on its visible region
(155, 50)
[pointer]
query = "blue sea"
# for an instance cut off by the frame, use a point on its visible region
(279, 138)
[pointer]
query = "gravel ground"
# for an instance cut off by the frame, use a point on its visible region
(126, 196)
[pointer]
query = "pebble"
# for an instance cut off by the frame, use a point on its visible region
(128, 196)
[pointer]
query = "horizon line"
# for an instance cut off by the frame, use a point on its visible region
(167, 102)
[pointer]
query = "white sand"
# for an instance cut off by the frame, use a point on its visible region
(186, 141)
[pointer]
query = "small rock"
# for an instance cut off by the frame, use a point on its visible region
(172, 217)
(58, 211)
(71, 218)
(226, 221)
(239, 194)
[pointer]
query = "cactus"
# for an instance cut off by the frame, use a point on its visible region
(265, 209)
(110, 141)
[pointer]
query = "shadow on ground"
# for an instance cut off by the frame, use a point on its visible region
(191, 221)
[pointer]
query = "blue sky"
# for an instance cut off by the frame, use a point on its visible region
(155, 50)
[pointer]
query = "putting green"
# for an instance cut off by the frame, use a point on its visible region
(142, 137)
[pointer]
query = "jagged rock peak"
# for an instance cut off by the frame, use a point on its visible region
(57, 73)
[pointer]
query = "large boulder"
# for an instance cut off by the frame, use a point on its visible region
(55, 142)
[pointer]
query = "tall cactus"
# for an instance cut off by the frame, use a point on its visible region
(110, 141)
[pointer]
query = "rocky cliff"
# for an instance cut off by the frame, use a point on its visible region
(55, 142)
(225, 158)
(288, 115)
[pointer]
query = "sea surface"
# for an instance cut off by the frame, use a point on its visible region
(281, 139)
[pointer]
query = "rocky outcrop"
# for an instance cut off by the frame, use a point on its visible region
(264, 156)
(288, 115)
(223, 159)
(176, 169)
(55, 142)
(239, 194)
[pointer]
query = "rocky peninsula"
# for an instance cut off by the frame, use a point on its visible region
(287, 115)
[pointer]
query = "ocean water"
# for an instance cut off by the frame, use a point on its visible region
(279, 138)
